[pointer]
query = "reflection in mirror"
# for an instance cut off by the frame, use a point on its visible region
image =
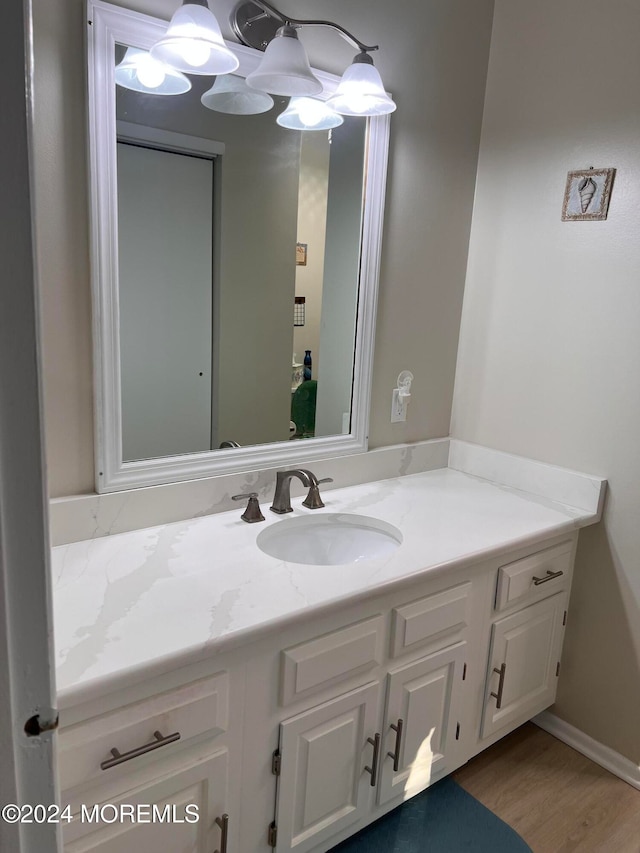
(235, 270)
(208, 273)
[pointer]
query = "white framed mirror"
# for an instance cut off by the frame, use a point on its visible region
(213, 238)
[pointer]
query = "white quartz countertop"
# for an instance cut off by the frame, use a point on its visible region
(138, 603)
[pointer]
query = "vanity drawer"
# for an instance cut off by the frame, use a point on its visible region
(197, 708)
(443, 616)
(535, 576)
(311, 666)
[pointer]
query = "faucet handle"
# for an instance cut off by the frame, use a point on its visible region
(313, 499)
(252, 513)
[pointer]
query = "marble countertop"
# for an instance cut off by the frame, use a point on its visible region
(153, 599)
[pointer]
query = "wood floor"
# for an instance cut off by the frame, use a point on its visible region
(554, 797)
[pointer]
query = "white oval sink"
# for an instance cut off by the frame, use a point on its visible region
(329, 539)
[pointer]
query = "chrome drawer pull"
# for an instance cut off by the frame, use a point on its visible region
(548, 577)
(375, 743)
(498, 696)
(121, 757)
(396, 752)
(223, 823)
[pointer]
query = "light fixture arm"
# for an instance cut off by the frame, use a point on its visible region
(298, 22)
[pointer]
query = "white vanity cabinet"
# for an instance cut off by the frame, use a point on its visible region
(153, 773)
(340, 759)
(368, 713)
(524, 664)
(421, 722)
(324, 783)
(526, 638)
(315, 728)
(190, 797)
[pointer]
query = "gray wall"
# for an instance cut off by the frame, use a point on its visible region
(312, 225)
(433, 59)
(165, 231)
(341, 266)
(550, 340)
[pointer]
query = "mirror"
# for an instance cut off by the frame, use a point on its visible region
(225, 249)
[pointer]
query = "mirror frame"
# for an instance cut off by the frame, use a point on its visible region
(106, 26)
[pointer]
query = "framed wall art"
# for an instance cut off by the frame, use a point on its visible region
(587, 194)
(301, 254)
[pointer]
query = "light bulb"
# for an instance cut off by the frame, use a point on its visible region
(360, 91)
(310, 112)
(194, 53)
(193, 42)
(150, 72)
(355, 101)
(140, 72)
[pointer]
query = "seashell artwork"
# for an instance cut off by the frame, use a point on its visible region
(586, 190)
(587, 194)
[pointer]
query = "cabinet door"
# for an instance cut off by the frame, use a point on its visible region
(424, 696)
(200, 785)
(323, 786)
(523, 664)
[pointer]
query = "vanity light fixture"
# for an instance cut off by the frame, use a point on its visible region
(140, 72)
(230, 94)
(285, 68)
(360, 91)
(309, 114)
(193, 42)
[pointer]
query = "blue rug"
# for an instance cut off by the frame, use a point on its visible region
(442, 819)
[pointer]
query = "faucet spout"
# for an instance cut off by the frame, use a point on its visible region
(282, 497)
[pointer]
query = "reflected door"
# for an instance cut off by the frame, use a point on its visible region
(165, 235)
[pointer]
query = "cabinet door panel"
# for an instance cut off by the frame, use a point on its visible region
(323, 786)
(425, 696)
(528, 644)
(202, 784)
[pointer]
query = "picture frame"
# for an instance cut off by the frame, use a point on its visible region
(301, 254)
(587, 194)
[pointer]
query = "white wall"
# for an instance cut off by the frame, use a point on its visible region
(550, 341)
(432, 56)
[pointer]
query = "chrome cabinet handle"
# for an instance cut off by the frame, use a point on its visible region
(375, 742)
(396, 752)
(121, 757)
(223, 823)
(498, 696)
(548, 577)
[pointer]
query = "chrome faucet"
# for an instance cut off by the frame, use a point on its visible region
(282, 495)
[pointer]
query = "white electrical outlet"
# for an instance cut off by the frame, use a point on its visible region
(398, 407)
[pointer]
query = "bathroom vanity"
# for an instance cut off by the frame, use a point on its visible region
(293, 704)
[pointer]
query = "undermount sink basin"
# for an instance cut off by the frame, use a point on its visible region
(329, 539)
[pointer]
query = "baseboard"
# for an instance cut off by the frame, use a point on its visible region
(603, 755)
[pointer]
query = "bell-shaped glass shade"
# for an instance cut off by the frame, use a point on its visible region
(285, 68)
(230, 94)
(140, 72)
(193, 43)
(309, 114)
(360, 91)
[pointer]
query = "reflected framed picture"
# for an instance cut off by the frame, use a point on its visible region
(301, 254)
(587, 194)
